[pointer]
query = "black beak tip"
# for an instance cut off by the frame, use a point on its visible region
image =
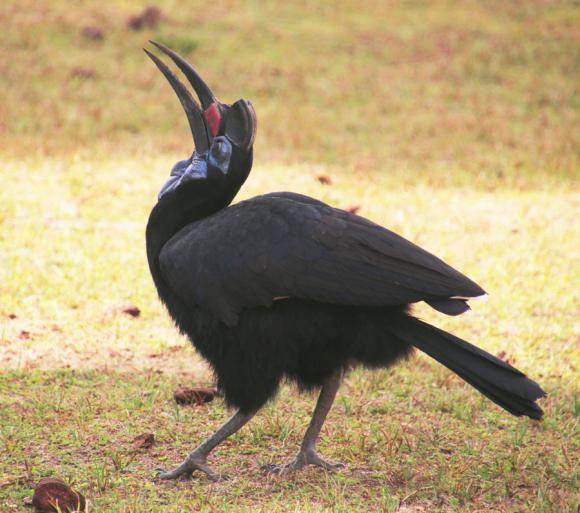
(204, 93)
(192, 110)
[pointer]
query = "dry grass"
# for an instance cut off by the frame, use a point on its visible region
(451, 123)
(465, 92)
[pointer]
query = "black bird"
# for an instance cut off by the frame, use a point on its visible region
(285, 286)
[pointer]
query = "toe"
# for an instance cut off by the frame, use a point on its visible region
(174, 474)
(186, 470)
(312, 458)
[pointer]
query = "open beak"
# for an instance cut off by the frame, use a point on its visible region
(237, 121)
(213, 110)
(192, 110)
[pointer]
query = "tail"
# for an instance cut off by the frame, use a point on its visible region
(497, 380)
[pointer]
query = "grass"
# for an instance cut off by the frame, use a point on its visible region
(452, 123)
(466, 92)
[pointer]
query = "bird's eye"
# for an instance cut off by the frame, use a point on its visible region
(220, 150)
(220, 154)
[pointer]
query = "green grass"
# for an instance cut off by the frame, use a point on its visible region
(477, 93)
(452, 123)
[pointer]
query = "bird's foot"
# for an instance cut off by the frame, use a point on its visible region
(303, 458)
(186, 469)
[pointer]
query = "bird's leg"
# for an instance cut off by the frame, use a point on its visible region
(197, 458)
(307, 454)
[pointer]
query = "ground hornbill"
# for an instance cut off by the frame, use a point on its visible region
(285, 286)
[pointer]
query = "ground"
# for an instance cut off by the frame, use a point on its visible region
(451, 123)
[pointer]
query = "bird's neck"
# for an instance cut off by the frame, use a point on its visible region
(173, 212)
(191, 202)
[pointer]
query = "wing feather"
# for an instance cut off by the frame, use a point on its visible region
(289, 245)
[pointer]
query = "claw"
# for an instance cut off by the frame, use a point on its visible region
(169, 475)
(186, 470)
(303, 459)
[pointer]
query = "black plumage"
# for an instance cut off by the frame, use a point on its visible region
(289, 245)
(285, 286)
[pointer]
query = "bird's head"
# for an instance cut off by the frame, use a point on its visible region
(223, 135)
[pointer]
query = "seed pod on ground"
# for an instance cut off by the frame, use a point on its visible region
(55, 495)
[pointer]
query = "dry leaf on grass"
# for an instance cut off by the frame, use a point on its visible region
(131, 310)
(143, 441)
(197, 396)
(324, 179)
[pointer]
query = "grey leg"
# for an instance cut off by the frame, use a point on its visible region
(197, 458)
(307, 454)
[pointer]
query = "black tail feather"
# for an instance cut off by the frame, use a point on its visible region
(497, 380)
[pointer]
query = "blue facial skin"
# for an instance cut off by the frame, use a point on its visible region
(198, 166)
(220, 154)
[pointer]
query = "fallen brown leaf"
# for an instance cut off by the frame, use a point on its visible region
(143, 441)
(131, 310)
(197, 396)
(94, 33)
(149, 17)
(83, 73)
(324, 179)
(507, 358)
(11, 481)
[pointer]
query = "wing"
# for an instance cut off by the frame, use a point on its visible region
(287, 245)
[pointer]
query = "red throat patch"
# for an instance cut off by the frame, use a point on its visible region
(213, 118)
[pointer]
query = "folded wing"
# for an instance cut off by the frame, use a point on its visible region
(283, 245)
